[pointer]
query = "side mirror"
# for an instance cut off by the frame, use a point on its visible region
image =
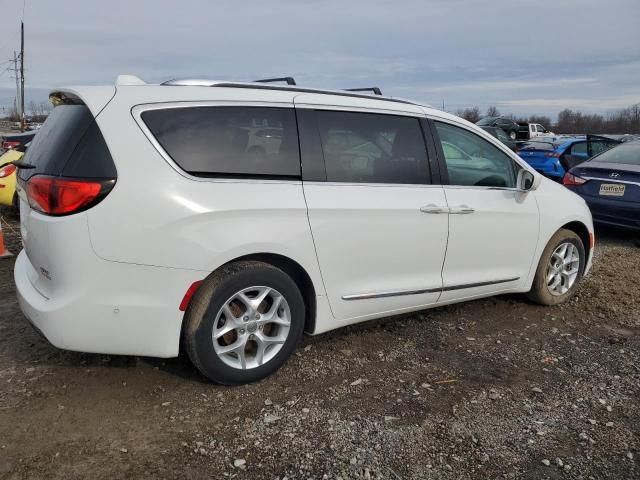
(525, 180)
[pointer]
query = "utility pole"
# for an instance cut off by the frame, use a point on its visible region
(22, 117)
(17, 77)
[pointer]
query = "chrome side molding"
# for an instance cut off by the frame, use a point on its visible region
(398, 293)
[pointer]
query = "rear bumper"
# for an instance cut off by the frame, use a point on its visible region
(614, 212)
(122, 309)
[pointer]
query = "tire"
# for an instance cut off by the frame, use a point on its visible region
(206, 317)
(513, 134)
(541, 290)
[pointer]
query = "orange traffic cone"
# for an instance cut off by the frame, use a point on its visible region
(4, 253)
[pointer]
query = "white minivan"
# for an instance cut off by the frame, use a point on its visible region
(229, 218)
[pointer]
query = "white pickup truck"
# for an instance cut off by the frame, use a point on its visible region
(530, 130)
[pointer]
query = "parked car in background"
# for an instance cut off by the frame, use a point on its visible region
(8, 196)
(15, 140)
(245, 252)
(510, 127)
(534, 130)
(610, 184)
(501, 135)
(553, 156)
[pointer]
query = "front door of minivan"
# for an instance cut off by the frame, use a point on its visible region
(493, 227)
(379, 226)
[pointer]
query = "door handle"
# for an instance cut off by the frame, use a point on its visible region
(431, 208)
(461, 210)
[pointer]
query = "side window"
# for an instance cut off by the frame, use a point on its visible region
(372, 148)
(579, 148)
(599, 146)
(472, 161)
(243, 141)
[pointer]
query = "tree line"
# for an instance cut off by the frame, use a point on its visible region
(626, 120)
(36, 112)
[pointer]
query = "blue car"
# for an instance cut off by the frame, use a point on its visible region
(553, 156)
(610, 184)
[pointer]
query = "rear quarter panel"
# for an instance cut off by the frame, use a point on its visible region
(157, 215)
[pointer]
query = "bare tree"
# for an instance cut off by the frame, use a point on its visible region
(470, 114)
(493, 111)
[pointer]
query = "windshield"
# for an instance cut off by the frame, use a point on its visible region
(486, 121)
(627, 153)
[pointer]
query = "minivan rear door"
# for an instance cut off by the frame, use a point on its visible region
(379, 224)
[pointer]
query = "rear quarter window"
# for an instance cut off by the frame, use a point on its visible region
(69, 144)
(228, 141)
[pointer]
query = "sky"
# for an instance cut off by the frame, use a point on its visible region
(523, 56)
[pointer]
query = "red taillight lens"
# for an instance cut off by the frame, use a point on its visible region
(63, 196)
(7, 171)
(9, 144)
(552, 155)
(570, 179)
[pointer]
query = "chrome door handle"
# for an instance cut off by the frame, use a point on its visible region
(431, 208)
(461, 210)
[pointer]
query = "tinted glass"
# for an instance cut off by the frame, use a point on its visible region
(599, 146)
(69, 143)
(486, 121)
(228, 141)
(628, 153)
(372, 148)
(472, 161)
(501, 135)
(579, 148)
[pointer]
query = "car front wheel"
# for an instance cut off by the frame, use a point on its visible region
(243, 323)
(560, 269)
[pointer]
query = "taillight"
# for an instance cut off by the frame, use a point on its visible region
(570, 179)
(7, 170)
(64, 196)
(552, 155)
(8, 144)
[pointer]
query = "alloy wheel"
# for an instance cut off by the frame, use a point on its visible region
(563, 268)
(251, 327)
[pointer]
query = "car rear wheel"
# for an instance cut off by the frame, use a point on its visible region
(560, 269)
(244, 322)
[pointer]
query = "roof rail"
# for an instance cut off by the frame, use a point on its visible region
(295, 88)
(375, 90)
(289, 80)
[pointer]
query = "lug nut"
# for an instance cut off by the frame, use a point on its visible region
(246, 318)
(257, 316)
(242, 330)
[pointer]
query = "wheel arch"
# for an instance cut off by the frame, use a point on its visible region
(582, 231)
(292, 268)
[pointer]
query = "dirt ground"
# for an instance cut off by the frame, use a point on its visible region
(492, 389)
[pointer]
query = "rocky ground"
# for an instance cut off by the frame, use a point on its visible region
(492, 389)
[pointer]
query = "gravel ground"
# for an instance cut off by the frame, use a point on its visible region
(492, 389)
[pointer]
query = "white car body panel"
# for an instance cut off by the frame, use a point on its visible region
(110, 280)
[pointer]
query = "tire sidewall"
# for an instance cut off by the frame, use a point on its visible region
(541, 285)
(213, 367)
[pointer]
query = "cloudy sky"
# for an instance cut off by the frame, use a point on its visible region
(524, 56)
